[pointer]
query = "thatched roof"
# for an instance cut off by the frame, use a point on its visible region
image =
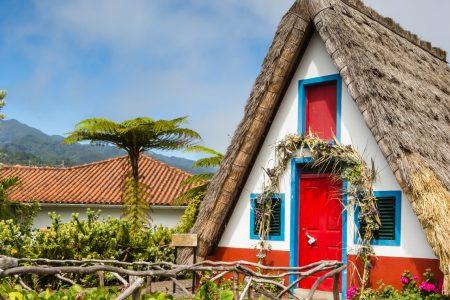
(401, 85)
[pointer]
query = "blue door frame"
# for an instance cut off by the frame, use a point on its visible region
(296, 166)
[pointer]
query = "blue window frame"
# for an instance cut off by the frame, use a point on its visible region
(389, 207)
(302, 85)
(279, 205)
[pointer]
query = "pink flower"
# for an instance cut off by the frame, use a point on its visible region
(352, 292)
(404, 280)
(415, 277)
(427, 287)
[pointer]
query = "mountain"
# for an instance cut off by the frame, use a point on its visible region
(25, 145)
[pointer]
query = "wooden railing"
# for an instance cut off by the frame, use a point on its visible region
(256, 278)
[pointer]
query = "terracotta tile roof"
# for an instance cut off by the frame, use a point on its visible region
(94, 183)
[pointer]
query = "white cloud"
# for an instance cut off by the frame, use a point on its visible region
(167, 58)
(161, 58)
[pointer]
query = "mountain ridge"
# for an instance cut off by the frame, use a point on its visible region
(25, 145)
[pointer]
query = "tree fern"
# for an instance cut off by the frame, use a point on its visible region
(199, 184)
(135, 136)
(2, 102)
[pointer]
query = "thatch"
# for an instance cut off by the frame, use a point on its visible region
(401, 85)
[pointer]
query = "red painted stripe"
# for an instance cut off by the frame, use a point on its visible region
(390, 269)
(273, 258)
(387, 269)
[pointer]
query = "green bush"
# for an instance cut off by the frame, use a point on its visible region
(11, 291)
(13, 240)
(428, 289)
(189, 216)
(16, 292)
(87, 239)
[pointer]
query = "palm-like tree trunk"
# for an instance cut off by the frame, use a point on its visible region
(134, 161)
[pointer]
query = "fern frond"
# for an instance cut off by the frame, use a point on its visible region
(8, 182)
(193, 193)
(197, 179)
(203, 149)
(208, 162)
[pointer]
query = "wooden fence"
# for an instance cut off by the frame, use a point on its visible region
(255, 278)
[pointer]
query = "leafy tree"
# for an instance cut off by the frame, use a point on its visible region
(199, 184)
(21, 214)
(2, 102)
(5, 184)
(135, 136)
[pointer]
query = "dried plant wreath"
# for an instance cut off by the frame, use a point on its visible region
(347, 165)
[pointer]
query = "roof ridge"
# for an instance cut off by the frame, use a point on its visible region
(395, 27)
(65, 168)
(108, 160)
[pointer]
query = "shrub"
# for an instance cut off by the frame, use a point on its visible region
(428, 289)
(16, 292)
(189, 216)
(13, 240)
(86, 239)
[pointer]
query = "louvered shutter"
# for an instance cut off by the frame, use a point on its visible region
(386, 210)
(275, 218)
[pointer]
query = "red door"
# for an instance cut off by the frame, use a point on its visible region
(321, 108)
(320, 219)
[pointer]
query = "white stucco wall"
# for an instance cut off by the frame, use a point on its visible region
(166, 216)
(316, 62)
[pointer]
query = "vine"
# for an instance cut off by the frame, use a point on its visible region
(331, 157)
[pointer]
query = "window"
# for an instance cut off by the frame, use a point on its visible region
(321, 109)
(276, 232)
(389, 209)
(320, 106)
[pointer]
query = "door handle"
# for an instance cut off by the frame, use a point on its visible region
(311, 239)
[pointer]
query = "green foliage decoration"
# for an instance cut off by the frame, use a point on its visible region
(331, 157)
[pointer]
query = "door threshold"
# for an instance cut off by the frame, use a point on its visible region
(318, 295)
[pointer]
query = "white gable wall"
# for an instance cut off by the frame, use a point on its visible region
(316, 63)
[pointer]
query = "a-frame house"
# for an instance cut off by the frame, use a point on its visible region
(339, 68)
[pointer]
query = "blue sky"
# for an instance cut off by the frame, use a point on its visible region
(62, 61)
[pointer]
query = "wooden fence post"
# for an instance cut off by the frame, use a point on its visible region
(190, 241)
(101, 278)
(149, 284)
(235, 285)
(136, 295)
(133, 290)
(336, 286)
(251, 293)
